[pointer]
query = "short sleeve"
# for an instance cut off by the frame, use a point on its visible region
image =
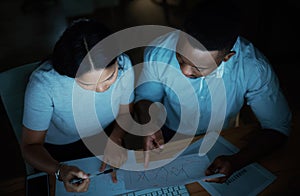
(148, 85)
(124, 89)
(38, 107)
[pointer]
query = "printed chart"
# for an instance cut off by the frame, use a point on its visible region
(182, 170)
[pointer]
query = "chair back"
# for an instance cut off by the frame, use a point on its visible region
(12, 89)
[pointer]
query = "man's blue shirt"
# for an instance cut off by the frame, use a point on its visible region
(213, 101)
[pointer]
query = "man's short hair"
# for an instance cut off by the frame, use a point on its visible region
(215, 24)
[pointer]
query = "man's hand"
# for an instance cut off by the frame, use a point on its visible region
(264, 142)
(224, 164)
(152, 142)
(115, 155)
(70, 172)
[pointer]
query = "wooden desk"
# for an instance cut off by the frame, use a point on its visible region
(282, 163)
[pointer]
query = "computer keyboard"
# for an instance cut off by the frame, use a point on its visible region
(170, 190)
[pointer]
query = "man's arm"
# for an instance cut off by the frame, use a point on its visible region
(263, 143)
(141, 109)
(153, 140)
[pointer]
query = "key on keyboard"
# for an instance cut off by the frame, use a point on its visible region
(170, 190)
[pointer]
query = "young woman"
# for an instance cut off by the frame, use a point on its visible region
(70, 99)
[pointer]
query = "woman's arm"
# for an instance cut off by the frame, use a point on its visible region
(34, 152)
(115, 153)
(125, 118)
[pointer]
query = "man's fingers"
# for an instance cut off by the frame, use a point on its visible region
(152, 143)
(161, 146)
(210, 171)
(217, 180)
(158, 144)
(149, 144)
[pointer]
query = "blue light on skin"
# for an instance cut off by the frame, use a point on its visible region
(195, 63)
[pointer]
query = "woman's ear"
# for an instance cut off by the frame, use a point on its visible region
(229, 55)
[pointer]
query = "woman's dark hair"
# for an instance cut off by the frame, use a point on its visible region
(75, 43)
(215, 24)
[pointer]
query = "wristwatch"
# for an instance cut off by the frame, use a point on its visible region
(58, 173)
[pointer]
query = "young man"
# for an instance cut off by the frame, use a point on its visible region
(203, 76)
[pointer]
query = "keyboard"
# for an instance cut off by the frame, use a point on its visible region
(170, 190)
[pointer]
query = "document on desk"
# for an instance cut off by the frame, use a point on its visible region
(250, 180)
(182, 170)
(188, 167)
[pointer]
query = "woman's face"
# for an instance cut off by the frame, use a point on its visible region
(99, 80)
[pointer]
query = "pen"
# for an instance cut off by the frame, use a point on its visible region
(79, 180)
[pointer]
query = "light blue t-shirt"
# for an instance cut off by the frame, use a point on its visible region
(213, 101)
(58, 104)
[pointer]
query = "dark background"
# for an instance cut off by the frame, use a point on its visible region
(29, 29)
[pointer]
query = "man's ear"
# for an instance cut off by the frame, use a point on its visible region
(229, 55)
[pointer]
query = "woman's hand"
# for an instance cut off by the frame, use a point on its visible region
(115, 155)
(68, 173)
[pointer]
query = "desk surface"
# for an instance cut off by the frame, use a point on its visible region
(282, 163)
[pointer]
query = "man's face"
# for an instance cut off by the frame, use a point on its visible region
(196, 63)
